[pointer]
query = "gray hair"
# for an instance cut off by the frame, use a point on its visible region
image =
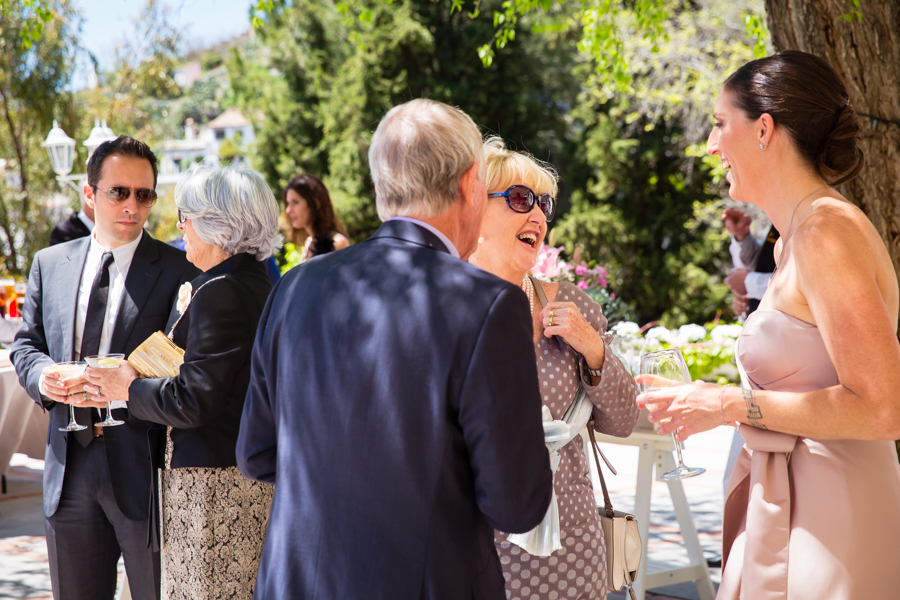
(417, 156)
(231, 208)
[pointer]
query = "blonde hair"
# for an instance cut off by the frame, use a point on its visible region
(418, 154)
(507, 167)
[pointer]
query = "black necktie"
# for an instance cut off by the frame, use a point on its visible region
(90, 338)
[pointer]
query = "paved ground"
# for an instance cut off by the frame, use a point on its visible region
(23, 553)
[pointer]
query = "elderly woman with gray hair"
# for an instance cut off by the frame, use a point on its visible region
(213, 519)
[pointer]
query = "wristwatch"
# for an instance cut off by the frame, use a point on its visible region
(594, 373)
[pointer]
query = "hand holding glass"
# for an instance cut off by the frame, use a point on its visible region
(669, 364)
(70, 370)
(106, 361)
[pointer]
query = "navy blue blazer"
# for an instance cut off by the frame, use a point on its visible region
(394, 402)
(47, 336)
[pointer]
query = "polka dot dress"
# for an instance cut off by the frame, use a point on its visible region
(578, 570)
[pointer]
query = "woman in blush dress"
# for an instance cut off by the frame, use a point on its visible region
(812, 506)
(315, 229)
(572, 349)
(213, 519)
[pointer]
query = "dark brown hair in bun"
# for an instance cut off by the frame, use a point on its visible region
(803, 94)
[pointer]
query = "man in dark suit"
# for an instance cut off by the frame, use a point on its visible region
(394, 396)
(78, 225)
(105, 293)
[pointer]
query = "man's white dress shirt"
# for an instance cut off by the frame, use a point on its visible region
(118, 271)
(744, 255)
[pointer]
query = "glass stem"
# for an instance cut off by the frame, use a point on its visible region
(678, 451)
(71, 414)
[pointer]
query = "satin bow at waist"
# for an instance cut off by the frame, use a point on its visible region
(762, 493)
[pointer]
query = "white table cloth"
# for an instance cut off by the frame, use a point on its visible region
(23, 425)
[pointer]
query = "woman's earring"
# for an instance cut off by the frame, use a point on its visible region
(762, 146)
(480, 240)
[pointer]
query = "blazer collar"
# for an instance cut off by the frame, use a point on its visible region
(411, 233)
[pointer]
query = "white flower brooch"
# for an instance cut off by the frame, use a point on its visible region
(184, 297)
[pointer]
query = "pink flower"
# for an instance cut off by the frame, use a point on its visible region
(583, 284)
(612, 296)
(602, 281)
(548, 264)
(580, 269)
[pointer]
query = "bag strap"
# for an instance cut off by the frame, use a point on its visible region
(181, 316)
(538, 290)
(606, 501)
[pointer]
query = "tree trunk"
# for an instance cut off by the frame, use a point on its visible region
(867, 57)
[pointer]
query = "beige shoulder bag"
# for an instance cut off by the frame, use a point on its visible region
(620, 530)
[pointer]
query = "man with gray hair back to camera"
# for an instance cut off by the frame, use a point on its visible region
(394, 396)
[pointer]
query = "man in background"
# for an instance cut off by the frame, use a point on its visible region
(754, 262)
(78, 225)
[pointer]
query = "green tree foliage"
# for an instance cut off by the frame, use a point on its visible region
(650, 205)
(338, 81)
(33, 80)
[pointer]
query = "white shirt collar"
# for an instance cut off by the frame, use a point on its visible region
(86, 219)
(122, 255)
(433, 230)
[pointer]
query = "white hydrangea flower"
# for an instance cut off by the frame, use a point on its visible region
(626, 328)
(691, 333)
(724, 335)
(661, 334)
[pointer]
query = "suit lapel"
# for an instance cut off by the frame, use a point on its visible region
(67, 279)
(142, 276)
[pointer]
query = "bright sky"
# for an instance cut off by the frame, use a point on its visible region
(107, 22)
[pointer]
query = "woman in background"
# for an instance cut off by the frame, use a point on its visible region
(315, 229)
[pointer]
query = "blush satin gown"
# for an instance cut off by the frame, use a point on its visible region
(807, 519)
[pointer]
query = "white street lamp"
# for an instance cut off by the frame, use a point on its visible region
(61, 149)
(99, 134)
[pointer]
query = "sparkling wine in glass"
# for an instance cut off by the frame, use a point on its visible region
(69, 370)
(670, 365)
(106, 361)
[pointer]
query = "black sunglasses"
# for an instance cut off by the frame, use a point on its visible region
(522, 200)
(181, 217)
(118, 194)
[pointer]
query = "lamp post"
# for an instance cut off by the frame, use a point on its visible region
(61, 149)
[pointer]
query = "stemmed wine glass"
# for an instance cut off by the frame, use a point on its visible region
(669, 364)
(106, 361)
(68, 370)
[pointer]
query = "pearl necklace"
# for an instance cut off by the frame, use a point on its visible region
(528, 288)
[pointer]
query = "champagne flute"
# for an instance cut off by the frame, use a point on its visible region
(106, 361)
(68, 370)
(670, 365)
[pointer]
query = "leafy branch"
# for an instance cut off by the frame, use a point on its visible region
(35, 14)
(855, 11)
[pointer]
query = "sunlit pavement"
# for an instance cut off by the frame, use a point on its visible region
(23, 552)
